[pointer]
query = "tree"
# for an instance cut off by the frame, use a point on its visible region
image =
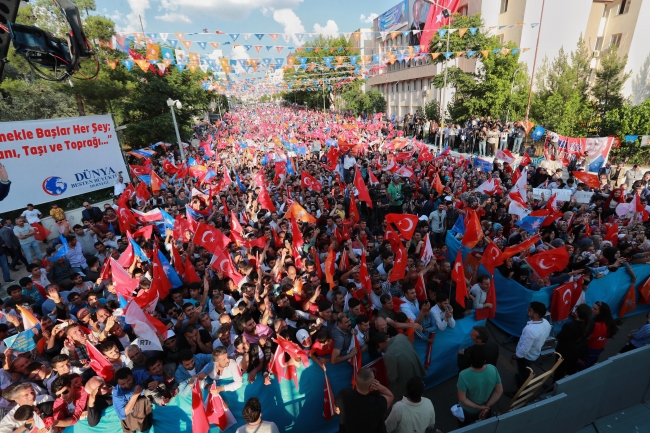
(497, 88)
(312, 85)
(374, 102)
(608, 86)
(626, 120)
(561, 100)
(432, 111)
(32, 99)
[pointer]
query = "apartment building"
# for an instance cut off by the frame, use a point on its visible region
(602, 23)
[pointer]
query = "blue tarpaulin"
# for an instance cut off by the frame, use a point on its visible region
(513, 299)
(296, 410)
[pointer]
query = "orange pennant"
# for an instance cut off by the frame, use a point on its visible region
(143, 64)
(153, 52)
(461, 32)
(187, 44)
(485, 52)
(180, 36)
(215, 45)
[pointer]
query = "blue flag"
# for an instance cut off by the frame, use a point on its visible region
(122, 301)
(138, 251)
(483, 165)
(191, 162)
(22, 342)
(459, 226)
(169, 271)
(290, 169)
(531, 223)
(241, 185)
(538, 132)
(111, 228)
(61, 252)
(146, 178)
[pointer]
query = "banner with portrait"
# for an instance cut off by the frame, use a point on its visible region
(570, 148)
(417, 15)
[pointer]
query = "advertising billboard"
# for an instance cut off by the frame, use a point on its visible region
(43, 160)
(418, 12)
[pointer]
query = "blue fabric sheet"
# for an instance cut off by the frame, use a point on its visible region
(296, 410)
(513, 299)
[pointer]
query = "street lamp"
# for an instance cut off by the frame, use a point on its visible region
(512, 86)
(177, 103)
(447, 14)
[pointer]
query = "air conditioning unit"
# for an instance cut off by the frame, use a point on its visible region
(425, 93)
(596, 53)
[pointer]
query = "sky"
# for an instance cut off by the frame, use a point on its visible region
(243, 16)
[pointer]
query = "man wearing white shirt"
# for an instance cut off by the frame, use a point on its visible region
(32, 215)
(442, 312)
(532, 339)
(223, 367)
(119, 186)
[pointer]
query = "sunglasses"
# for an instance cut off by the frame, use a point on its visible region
(66, 392)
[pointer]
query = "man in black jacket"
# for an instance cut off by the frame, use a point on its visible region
(99, 398)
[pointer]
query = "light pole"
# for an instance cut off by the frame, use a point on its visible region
(532, 75)
(170, 104)
(512, 86)
(447, 14)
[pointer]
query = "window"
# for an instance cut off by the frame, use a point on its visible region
(624, 7)
(599, 43)
(504, 6)
(616, 40)
(463, 10)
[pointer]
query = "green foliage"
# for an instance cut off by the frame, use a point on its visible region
(27, 99)
(146, 112)
(626, 120)
(374, 102)
(432, 111)
(320, 76)
(498, 88)
(561, 101)
(609, 84)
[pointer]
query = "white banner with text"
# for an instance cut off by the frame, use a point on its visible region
(44, 160)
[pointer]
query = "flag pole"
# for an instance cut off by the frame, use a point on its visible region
(532, 75)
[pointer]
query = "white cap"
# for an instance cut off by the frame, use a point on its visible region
(169, 334)
(302, 335)
(448, 198)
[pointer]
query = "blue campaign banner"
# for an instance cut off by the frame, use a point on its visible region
(393, 17)
(296, 410)
(483, 165)
(513, 299)
(22, 342)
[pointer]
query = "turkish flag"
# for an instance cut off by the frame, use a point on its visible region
(629, 302)
(182, 172)
(190, 273)
(420, 289)
(344, 263)
(525, 161)
(210, 238)
(437, 185)
(99, 363)
(458, 275)
(491, 257)
(612, 234)
(561, 302)
(425, 156)
(329, 268)
(639, 208)
(364, 276)
(140, 170)
(169, 167)
(264, 199)
(473, 230)
(354, 212)
(160, 281)
(308, 181)
(488, 313)
(516, 249)
(221, 263)
(545, 263)
(364, 195)
(105, 273)
(504, 155)
(391, 236)
(126, 258)
(200, 422)
(591, 180)
(234, 223)
(177, 261)
(218, 413)
(125, 219)
(124, 284)
(156, 182)
(40, 232)
(399, 269)
(129, 191)
(296, 235)
(328, 397)
(356, 361)
(316, 259)
(644, 292)
(373, 179)
(142, 192)
(406, 223)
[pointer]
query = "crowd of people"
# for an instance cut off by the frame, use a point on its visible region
(288, 236)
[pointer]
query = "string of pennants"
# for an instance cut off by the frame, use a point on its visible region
(300, 37)
(196, 61)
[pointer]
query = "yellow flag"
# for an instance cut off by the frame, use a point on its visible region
(434, 56)
(144, 64)
(485, 52)
(461, 32)
(153, 52)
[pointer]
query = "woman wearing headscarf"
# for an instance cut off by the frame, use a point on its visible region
(615, 197)
(572, 341)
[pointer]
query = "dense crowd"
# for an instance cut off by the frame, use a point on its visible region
(287, 235)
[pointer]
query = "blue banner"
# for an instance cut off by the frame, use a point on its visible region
(483, 165)
(393, 17)
(22, 342)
